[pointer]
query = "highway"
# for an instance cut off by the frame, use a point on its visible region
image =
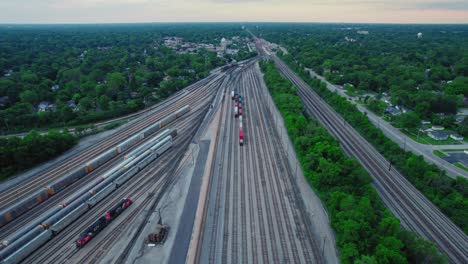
(254, 211)
(414, 210)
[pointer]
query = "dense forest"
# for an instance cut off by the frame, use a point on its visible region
(77, 74)
(366, 231)
(422, 68)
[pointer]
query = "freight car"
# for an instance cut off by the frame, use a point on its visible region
(102, 222)
(58, 185)
(68, 211)
(241, 137)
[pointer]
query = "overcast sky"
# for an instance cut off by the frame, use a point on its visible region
(108, 11)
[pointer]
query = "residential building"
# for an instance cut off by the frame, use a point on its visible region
(456, 136)
(392, 110)
(4, 101)
(438, 135)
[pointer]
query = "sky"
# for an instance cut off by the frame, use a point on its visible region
(128, 11)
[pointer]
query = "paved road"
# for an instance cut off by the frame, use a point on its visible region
(400, 138)
(184, 232)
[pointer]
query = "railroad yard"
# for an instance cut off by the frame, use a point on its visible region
(255, 212)
(213, 161)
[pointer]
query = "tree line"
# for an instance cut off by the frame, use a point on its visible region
(18, 154)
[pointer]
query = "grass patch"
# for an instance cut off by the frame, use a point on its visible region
(459, 165)
(454, 150)
(439, 153)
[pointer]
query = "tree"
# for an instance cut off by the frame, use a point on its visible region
(408, 120)
(29, 96)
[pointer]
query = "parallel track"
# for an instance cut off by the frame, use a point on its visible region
(405, 201)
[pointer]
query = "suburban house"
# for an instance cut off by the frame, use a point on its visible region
(72, 105)
(438, 135)
(45, 106)
(4, 101)
(425, 129)
(392, 110)
(456, 136)
(438, 128)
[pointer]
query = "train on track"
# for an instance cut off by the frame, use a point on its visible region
(58, 185)
(102, 222)
(80, 203)
(29, 238)
(238, 112)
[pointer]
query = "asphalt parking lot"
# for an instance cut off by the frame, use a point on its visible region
(457, 156)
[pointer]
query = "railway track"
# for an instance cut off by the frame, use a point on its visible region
(200, 95)
(252, 209)
(141, 183)
(405, 201)
(275, 152)
(195, 91)
(196, 96)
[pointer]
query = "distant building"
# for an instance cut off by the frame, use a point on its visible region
(459, 118)
(420, 35)
(438, 135)
(7, 72)
(425, 129)
(72, 105)
(425, 122)
(363, 32)
(55, 87)
(392, 110)
(43, 106)
(4, 101)
(456, 136)
(438, 128)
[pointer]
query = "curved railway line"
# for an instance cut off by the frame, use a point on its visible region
(59, 249)
(405, 201)
(190, 94)
(149, 182)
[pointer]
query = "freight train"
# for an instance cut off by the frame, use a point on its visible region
(102, 222)
(27, 239)
(58, 185)
(68, 211)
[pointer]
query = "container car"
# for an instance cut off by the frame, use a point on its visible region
(236, 111)
(240, 112)
(241, 137)
(72, 216)
(232, 94)
(28, 248)
(240, 99)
